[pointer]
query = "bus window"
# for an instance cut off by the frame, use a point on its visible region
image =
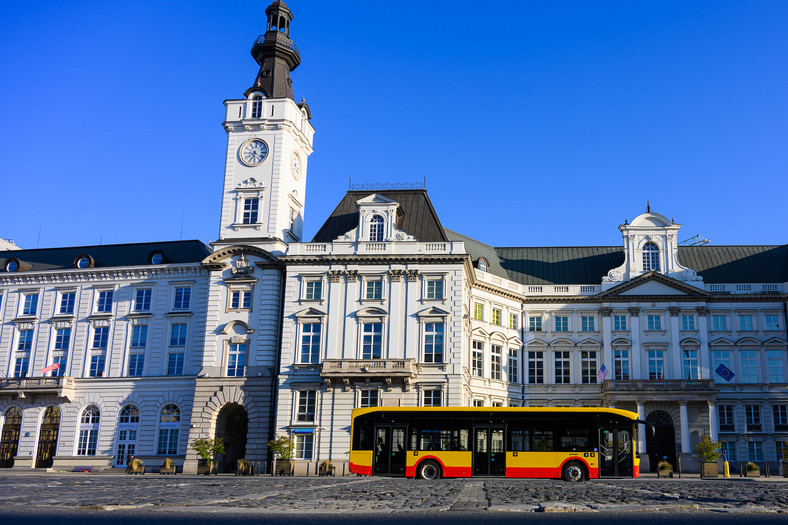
(542, 437)
(575, 439)
(519, 440)
(460, 439)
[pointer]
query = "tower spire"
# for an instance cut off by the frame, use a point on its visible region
(276, 54)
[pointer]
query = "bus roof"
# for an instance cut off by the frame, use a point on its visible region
(504, 410)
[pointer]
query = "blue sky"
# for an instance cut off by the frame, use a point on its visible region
(533, 123)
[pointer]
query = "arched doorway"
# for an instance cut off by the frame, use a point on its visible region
(10, 437)
(47, 437)
(231, 425)
(662, 445)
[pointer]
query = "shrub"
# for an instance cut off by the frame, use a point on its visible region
(664, 465)
(208, 448)
(708, 450)
(752, 467)
(282, 447)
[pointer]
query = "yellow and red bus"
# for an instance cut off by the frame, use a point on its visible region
(574, 444)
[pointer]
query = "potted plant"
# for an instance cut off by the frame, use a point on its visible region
(326, 468)
(753, 471)
(664, 469)
(167, 467)
(708, 451)
(135, 466)
(207, 448)
(243, 468)
(282, 447)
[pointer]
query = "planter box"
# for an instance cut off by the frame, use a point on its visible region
(753, 473)
(709, 470)
(140, 469)
(665, 473)
(283, 467)
(167, 470)
(206, 468)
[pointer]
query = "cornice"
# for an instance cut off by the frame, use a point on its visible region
(355, 259)
(87, 276)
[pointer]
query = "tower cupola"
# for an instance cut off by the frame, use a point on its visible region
(276, 54)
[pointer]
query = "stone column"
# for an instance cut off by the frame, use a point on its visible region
(641, 435)
(704, 354)
(713, 420)
(607, 349)
(685, 445)
(637, 352)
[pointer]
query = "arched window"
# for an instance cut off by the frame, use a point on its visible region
(650, 257)
(169, 424)
(376, 229)
(88, 431)
(128, 421)
(257, 106)
(483, 264)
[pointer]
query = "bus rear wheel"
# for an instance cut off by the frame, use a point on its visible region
(573, 472)
(429, 470)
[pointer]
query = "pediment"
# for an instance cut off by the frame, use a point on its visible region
(376, 198)
(480, 332)
(655, 283)
(562, 342)
(748, 341)
(310, 312)
(537, 342)
(236, 327)
(371, 312)
(499, 336)
(223, 255)
(589, 342)
(433, 312)
(775, 341)
(721, 341)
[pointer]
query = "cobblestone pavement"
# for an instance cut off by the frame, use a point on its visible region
(362, 494)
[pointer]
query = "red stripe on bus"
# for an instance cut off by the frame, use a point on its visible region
(360, 469)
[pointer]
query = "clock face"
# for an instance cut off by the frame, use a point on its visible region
(254, 152)
(295, 165)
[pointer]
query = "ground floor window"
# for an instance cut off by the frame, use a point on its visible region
(304, 444)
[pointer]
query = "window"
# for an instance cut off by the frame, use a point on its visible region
(495, 362)
(435, 289)
(23, 349)
(535, 323)
(755, 450)
(142, 299)
(369, 398)
(376, 229)
(728, 448)
(587, 324)
(307, 400)
(650, 257)
(136, 362)
(251, 209)
(690, 368)
(753, 418)
(175, 364)
(774, 365)
(771, 322)
(169, 429)
(304, 444)
(61, 359)
(562, 367)
(719, 323)
(240, 300)
(478, 402)
(514, 321)
(30, 306)
(236, 359)
(720, 357)
(374, 289)
(257, 106)
(745, 323)
(178, 335)
(535, 367)
(588, 366)
(496, 316)
(88, 431)
(477, 359)
(656, 364)
(67, 300)
(62, 338)
(619, 323)
(177, 343)
(653, 322)
(780, 413)
(514, 365)
(310, 343)
(104, 303)
(97, 363)
(432, 397)
(313, 290)
(749, 366)
(139, 336)
(687, 322)
(433, 342)
(372, 341)
(129, 414)
(726, 419)
(483, 265)
(561, 323)
(182, 298)
(478, 311)
(621, 363)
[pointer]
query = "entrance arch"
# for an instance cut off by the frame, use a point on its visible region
(662, 445)
(47, 437)
(231, 425)
(10, 437)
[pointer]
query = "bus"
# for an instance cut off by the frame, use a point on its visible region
(574, 444)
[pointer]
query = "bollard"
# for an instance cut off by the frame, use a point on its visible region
(726, 470)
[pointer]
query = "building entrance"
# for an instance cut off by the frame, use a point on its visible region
(47, 437)
(232, 425)
(10, 437)
(661, 446)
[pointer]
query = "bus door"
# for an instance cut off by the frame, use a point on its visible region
(615, 452)
(489, 452)
(389, 450)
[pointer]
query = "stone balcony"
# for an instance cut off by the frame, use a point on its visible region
(659, 390)
(32, 386)
(345, 371)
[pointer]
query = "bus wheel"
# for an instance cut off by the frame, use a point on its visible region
(573, 472)
(429, 470)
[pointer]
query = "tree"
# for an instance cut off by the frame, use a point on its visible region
(282, 447)
(208, 448)
(708, 450)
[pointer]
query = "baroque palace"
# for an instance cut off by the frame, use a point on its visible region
(139, 349)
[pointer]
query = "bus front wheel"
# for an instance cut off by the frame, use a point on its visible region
(573, 472)
(429, 470)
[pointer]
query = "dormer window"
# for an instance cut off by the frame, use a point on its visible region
(376, 229)
(650, 257)
(257, 106)
(483, 264)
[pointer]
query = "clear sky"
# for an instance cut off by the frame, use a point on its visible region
(533, 123)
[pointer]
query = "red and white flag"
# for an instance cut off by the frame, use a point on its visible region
(53, 366)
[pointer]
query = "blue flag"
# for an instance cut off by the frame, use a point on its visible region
(725, 372)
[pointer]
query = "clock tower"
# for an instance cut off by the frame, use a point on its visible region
(269, 138)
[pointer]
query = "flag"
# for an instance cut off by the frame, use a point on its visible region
(53, 366)
(724, 372)
(602, 374)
